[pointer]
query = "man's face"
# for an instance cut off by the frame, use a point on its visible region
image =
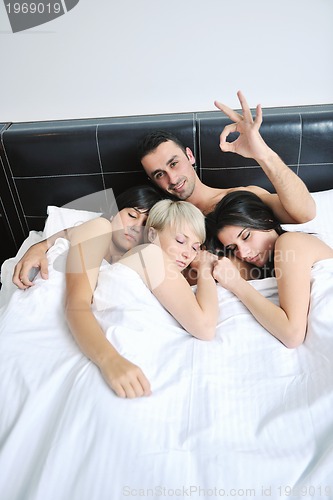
(171, 169)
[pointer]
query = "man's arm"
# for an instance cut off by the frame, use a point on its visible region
(35, 257)
(292, 203)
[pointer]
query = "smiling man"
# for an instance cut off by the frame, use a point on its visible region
(169, 164)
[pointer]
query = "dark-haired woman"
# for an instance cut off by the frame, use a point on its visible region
(138, 199)
(248, 229)
(122, 228)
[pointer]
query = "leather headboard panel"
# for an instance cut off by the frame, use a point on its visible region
(53, 163)
(302, 136)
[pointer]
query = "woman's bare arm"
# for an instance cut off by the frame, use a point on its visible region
(197, 313)
(89, 245)
(293, 264)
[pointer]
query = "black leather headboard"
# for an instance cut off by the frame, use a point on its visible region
(52, 163)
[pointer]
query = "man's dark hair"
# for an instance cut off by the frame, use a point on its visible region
(152, 140)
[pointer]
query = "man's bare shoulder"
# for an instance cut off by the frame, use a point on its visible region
(211, 199)
(217, 194)
(253, 189)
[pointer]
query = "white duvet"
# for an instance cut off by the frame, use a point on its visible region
(240, 416)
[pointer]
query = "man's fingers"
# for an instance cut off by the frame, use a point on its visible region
(224, 145)
(25, 282)
(44, 271)
(247, 115)
(26, 271)
(26, 275)
(258, 118)
(16, 275)
(21, 278)
(233, 115)
(19, 284)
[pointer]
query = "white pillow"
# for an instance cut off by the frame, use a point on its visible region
(58, 218)
(62, 218)
(322, 224)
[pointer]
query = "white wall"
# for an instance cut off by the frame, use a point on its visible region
(127, 57)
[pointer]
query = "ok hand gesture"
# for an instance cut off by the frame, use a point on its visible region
(249, 143)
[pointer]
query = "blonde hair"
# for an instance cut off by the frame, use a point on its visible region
(175, 214)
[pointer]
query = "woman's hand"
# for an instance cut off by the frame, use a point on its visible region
(203, 263)
(204, 260)
(125, 378)
(227, 274)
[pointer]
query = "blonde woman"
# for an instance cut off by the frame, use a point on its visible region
(174, 232)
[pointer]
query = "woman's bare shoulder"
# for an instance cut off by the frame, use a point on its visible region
(301, 237)
(90, 229)
(294, 237)
(150, 262)
(305, 245)
(145, 251)
(298, 242)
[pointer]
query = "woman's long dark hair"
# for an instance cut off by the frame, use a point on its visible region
(141, 197)
(239, 208)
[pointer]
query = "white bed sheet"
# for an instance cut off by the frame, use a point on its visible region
(240, 416)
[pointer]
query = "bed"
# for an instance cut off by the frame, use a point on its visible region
(240, 416)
